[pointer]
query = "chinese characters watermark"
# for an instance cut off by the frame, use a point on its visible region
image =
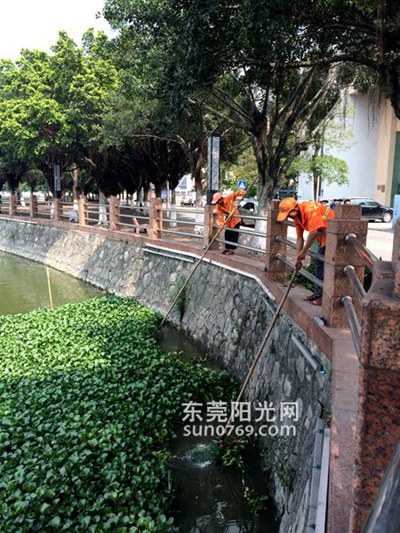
(215, 419)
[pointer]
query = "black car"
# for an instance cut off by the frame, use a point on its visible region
(248, 207)
(370, 210)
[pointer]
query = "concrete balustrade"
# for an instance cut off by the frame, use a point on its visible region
(155, 218)
(57, 209)
(378, 424)
(12, 208)
(82, 210)
(114, 213)
(339, 254)
(209, 230)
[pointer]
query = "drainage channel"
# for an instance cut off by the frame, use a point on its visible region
(209, 497)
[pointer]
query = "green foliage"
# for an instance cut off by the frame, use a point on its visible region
(52, 105)
(232, 456)
(279, 465)
(244, 169)
(180, 302)
(88, 407)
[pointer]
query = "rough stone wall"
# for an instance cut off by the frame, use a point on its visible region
(224, 310)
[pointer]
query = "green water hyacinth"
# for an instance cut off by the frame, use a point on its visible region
(88, 409)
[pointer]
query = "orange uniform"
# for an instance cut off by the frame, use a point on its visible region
(312, 217)
(227, 206)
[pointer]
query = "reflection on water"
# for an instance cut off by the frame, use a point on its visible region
(23, 286)
(209, 498)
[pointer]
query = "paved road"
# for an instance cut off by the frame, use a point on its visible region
(379, 241)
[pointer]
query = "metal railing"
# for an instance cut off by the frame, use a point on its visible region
(303, 272)
(169, 222)
(249, 239)
(354, 323)
(366, 255)
(368, 259)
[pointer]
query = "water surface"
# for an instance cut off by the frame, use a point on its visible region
(24, 286)
(209, 497)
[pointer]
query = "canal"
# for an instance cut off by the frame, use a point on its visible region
(209, 497)
(24, 286)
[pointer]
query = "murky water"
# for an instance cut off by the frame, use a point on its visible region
(24, 286)
(209, 497)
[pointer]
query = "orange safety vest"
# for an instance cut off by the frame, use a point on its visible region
(312, 217)
(227, 206)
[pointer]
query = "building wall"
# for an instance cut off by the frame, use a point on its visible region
(386, 142)
(363, 122)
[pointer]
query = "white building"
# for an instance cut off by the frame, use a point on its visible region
(373, 157)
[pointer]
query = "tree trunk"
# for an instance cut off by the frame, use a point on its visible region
(199, 155)
(315, 173)
(75, 179)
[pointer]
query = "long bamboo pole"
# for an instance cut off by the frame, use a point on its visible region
(260, 350)
(49, 287)
(201, 258)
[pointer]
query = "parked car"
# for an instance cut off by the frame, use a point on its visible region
(250, 208)
(370, 210)
(189, 199)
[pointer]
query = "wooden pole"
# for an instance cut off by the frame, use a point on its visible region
(200, 260)
(261, 348)
(49, 287)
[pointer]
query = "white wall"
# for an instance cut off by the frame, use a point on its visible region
(362, 122)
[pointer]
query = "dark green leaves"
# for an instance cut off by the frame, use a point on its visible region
(88, 407)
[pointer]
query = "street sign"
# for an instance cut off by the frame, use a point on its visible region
(242, 184)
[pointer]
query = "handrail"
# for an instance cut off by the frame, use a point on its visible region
(366, 255)
(384, 515)
(354, 324)
(304, 273)
(356, 284)
(292, 244)
(245, 231)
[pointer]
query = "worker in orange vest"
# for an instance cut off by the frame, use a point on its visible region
(225, 205)
(308, 216)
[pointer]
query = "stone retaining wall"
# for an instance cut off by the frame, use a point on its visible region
(226, 311)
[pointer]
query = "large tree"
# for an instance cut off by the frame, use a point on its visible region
(226, 58)
(364, 33)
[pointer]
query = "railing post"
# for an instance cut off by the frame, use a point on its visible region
(155, 218)
(339, 254)
(378, 422)
(274, 267)
(114, 213)
(33, 206)
(12, 206)
(57, 209)
(209, 230)
(82, 210)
